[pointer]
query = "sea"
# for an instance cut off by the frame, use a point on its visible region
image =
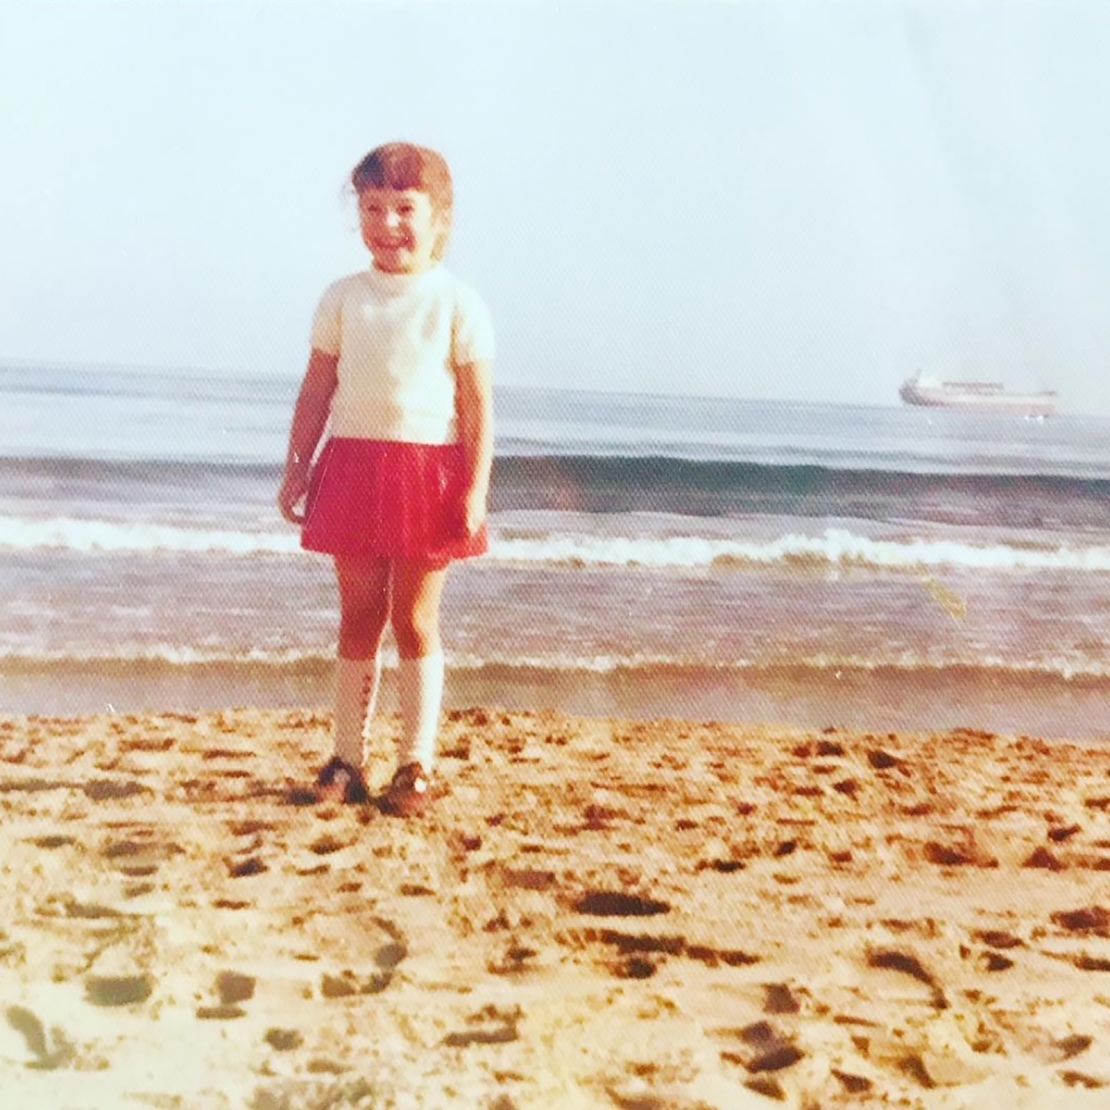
(815, 565)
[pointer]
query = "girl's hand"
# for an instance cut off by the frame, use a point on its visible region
(293, 490)
(474, 511)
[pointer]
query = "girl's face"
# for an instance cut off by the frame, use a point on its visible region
(400, 228)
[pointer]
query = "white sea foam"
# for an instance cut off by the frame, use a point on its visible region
(73, 534)
(834, 547)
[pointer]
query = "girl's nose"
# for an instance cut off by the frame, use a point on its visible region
(392, 219)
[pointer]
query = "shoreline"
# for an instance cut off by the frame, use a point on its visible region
(597, 912)
(878, 700)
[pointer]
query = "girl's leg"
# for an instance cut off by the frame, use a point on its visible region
(417, 591)
(364, 611)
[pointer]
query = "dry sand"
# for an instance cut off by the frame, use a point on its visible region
(595, 913)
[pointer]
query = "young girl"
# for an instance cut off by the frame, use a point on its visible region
(400, 361)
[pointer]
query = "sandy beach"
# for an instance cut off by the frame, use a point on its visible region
(594, 913)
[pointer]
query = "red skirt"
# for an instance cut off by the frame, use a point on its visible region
(382, 499)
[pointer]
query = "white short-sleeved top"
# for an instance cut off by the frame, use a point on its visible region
(399, 338)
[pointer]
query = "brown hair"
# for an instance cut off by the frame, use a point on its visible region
(407, 166)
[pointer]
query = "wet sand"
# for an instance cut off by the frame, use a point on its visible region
(595, 913)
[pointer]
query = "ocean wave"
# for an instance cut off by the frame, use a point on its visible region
(609, 465)
(641, 667)
(1029, 497)
(833, 547)
(82, 535)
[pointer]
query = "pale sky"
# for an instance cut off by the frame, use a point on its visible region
(802, 200)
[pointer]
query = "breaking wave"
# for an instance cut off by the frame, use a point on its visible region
(832, 547)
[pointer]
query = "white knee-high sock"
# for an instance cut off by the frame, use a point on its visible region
(420, 690)
(356, 693)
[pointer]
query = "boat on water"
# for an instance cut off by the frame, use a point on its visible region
(923, 389)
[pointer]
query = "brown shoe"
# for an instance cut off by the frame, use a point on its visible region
(339, 781)
(409, 793)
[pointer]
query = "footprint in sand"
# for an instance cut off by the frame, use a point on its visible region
(852, 1084)
(767, 1052)
(390, 955)
(1091, 963)
(220, 1013)
(779, 999)
(1079, 1079)
(283, 1040)
(327, 844)
(49, 1052)
(347, 984)
(963, 855)
(241, 869)
(642, 953)
(387, 958)
(52, 841)
(490, 1025)
(287, 1093)
(1045, 860)
(112, 790)
(516, 960)
(609, 903)
(882, 760)
(995, 938)
(139, 858)
(233, 987)
(118, 990)
(1069, 1047)
(31, 785)
(891, 959)
(1088, 920)
(250, 828)
(66, 905)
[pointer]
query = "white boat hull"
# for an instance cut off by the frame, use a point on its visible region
(984, 398)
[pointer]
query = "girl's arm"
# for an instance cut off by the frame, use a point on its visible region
(309, 419)
(474, 414)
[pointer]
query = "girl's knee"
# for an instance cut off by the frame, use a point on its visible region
(415, 609)
(416, 634)
(364, 625)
